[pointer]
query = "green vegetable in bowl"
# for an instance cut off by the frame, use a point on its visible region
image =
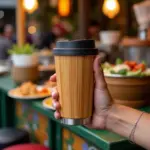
(113, 72)
(119, 61)
(120, 72)
(123, 72)
(137, 73)
(106, 66)
(127, 68)
(143, 62)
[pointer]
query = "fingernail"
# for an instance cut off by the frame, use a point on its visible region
(54, 105)
(53, 93)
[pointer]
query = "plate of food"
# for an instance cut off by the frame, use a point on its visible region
(29, 91)
(47, 103)
(126, 69)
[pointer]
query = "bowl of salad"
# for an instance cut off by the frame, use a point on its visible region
(128, 82)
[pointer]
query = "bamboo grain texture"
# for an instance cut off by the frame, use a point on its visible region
(75, 85)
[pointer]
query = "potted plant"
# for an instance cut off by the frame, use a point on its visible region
(23, 56)
(25, 63)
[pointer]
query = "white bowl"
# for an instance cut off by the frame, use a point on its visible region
(111, 37)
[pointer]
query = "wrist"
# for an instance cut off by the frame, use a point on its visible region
(110, 117)
(113, 119)
(117, 121)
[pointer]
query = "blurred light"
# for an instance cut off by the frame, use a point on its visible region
(1, 14)
(64, 7)
(32, 29)
(30, 5)
(111, 8)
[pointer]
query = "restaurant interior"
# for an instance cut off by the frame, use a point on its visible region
(41, 40)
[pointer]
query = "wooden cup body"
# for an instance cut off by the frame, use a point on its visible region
(75, 85)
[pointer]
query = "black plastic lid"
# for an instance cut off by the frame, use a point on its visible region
(75, 48)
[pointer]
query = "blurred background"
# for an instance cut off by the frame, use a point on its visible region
(50, 18)
(120, 28)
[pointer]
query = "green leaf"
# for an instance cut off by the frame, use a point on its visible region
(123, 72)
(119, 61)
(25, 49)
(137, 73)
(144, 62)
(113, 72)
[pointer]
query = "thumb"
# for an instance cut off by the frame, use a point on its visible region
(99, 76)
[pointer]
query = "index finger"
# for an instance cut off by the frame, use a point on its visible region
(53, 78)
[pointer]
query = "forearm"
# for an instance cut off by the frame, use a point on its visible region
(122, 119)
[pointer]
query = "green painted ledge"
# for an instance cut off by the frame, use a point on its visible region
(100, 138)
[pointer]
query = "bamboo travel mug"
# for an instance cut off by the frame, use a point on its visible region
(75, 81)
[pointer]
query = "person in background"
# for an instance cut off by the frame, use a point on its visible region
(93, 30)
(57, 33)
(5, 44)
(36, 39)
(9, 33)
(48, 39)
(29, 39)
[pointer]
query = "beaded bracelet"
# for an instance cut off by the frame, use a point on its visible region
(131, 136)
